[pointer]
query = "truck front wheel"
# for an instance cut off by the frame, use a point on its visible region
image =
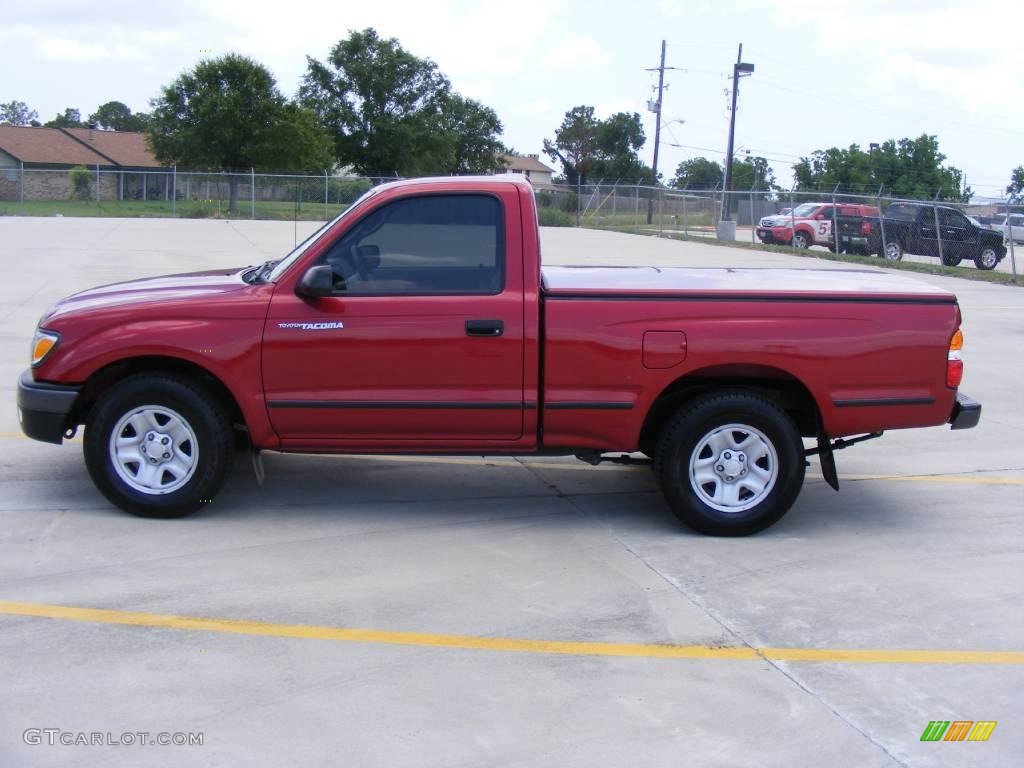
(730, 463)
(987, 259)
(157, 445)
(801, 240)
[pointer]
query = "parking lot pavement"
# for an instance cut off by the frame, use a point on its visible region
(518, 612)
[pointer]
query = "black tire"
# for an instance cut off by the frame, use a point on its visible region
(690, 429)
(892, 250)
(800, 240)
(987, 258)
(213, 447)
(951, 261)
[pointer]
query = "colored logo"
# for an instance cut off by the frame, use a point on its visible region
(958, 730)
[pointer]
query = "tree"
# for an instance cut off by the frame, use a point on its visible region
(904, 168)
(116, 116)
(228, 113)
(81, 182)
(753, 173)
(1015, 188)
(466, 132)
(71, 118)
(392, 112)
(698, 173)
(17, 113)
(606, 149)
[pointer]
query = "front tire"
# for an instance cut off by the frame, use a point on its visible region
(158, 445)
(987, 259)
(730, 463)
(801, 240)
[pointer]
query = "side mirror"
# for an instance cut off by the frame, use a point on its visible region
(819, 217)
(316, 283)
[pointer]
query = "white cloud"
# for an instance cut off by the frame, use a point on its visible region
(68, 49)
(576, 54)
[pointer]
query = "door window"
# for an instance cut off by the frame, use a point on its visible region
(431, 244)
(951, 218)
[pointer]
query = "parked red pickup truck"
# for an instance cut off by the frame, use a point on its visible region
(420, 321)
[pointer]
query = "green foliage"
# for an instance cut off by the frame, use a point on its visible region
(347, 190)
(391, 112)
(228, 113)
(906, 168)
(599, 149)
(698, 173)
(1015, 188)
(116, 116)
(553, 217)
(81, 182)
(753, 173)
(17, 113)
(71, 118)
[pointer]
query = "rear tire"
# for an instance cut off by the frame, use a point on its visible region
(892, 250)
(730, 463)
(157, 445)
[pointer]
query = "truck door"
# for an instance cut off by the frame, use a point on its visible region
(927, 238)
(959, 239)
(421, 340)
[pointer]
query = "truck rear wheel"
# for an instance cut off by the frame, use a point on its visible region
(157, 445)
(730, 463)
(893, 250)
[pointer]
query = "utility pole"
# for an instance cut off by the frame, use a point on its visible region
(738, 70)
(657, 129)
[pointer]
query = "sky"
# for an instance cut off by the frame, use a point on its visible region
(832, 73)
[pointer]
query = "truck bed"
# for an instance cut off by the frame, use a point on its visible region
(695, 283)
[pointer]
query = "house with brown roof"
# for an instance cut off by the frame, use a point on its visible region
(529, 166)
(34, 162)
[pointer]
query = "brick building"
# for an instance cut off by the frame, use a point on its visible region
(34, 162)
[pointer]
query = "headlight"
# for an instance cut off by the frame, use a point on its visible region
(43, 343)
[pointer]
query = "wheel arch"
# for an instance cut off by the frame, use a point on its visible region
(104, 377)
(786, 390)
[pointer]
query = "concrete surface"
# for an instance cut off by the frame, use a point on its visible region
(540, 549)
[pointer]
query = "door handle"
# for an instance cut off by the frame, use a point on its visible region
(485, 327)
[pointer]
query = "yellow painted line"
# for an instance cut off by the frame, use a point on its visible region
(507, 644)
(965, 479)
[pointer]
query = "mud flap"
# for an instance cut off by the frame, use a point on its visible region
(827, 458)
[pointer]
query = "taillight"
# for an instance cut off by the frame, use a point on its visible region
(865, 227)
(954, 360)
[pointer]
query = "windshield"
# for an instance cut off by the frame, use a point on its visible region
(304, 246)
(805, 210)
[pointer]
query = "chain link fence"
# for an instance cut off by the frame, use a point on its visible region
(947, 234)
(85, 191)
(934, 231)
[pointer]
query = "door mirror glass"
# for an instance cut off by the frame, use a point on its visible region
(316, 283)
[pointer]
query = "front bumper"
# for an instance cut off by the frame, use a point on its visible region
(966, 412)
(43, 408)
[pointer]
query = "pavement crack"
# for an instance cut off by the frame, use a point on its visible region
(734, 633)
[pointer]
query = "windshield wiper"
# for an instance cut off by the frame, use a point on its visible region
(259, 274)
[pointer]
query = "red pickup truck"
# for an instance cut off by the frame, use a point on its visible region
(420, 322)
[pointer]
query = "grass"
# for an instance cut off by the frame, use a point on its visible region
(184, 209)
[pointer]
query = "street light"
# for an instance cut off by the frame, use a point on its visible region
(739, 69)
